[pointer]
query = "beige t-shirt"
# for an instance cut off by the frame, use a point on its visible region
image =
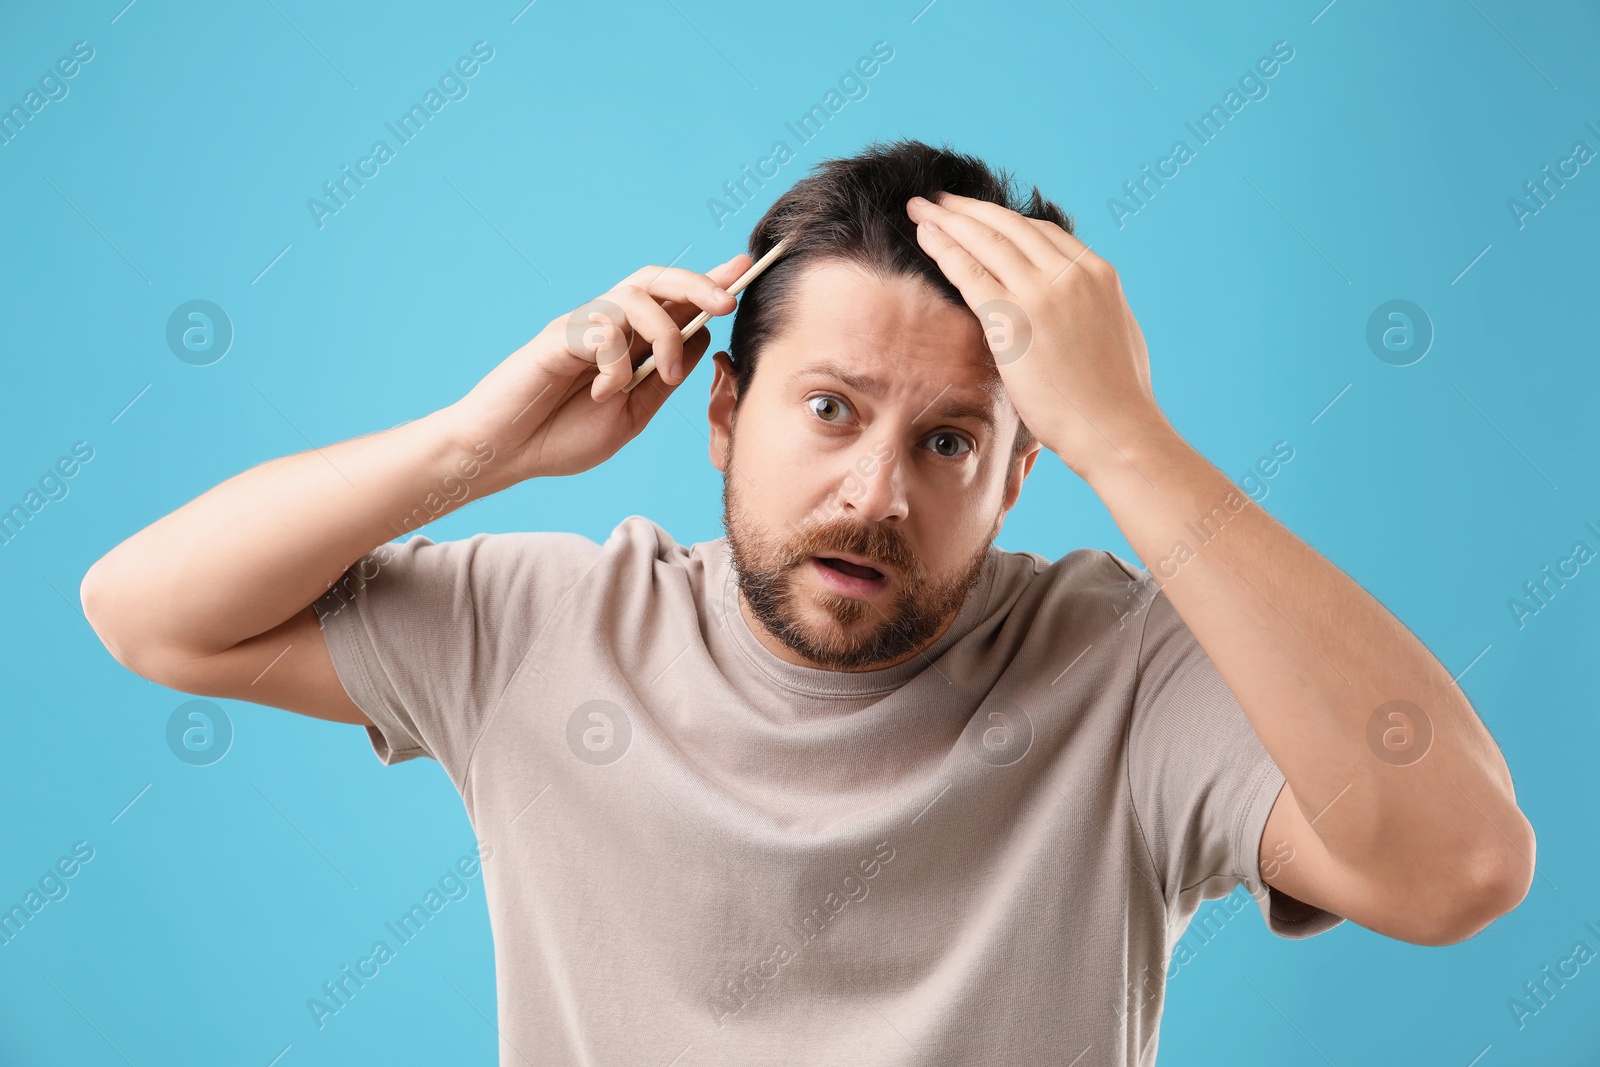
(702, 854)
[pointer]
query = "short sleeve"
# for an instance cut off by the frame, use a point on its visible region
(426, 636)
(1203, 784)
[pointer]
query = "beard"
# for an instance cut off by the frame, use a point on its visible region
(767, 570)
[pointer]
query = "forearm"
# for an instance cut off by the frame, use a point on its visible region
(1310, 656)
(251, 552)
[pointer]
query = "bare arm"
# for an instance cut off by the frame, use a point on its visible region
(220, 588)
(1422, 841)
(215, 598)
(1419, 841)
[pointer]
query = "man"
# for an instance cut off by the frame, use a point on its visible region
(850, 784)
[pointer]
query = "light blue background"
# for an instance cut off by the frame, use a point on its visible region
(179, 166)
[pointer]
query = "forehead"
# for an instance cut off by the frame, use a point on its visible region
(894, 328)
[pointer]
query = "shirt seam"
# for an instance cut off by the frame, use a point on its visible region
(1127, 740)
(1262, 777)
(1263, 772)
(369, 649)
(1241, 849)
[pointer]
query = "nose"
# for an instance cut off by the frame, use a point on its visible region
(878, 479)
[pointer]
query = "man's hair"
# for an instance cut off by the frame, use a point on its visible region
(853, 209)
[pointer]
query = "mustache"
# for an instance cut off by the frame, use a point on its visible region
(881, 544)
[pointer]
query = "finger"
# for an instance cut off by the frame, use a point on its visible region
(723, 275)
(646, 273)
(1067, 244)
(658, 332)
(682, 313)
(1077, 253)
(727, 273)
(1040, 250)
(998, 254)
(646, 399)
(974, 281)
(597, 332)
(684, 286)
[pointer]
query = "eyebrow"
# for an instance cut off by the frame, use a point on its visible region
(954, 408)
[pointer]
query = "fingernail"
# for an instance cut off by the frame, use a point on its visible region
(719, 291)
(919, 201)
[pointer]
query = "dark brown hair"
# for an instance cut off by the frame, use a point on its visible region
(854, 209)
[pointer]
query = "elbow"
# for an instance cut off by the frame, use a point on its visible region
(92, 601)
(1496, 880)
(1508, 870)
(97, 599)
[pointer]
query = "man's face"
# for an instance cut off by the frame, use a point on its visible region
(870, 470)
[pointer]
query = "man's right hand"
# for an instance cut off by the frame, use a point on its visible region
(556, 406)
(215, 598)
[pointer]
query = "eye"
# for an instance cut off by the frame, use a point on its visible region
(950, 445)
(828, 408)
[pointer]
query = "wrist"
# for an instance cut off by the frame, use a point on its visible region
(1119, 445)
(461, 465)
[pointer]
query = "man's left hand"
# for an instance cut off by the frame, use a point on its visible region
(1065, 342)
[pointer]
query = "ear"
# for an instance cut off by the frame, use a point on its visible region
(1020, 468)
(719, 413)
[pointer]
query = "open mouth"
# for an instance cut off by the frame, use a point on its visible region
(854, 570)
(845, 577)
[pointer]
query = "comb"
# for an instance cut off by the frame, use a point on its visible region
(744, 280)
